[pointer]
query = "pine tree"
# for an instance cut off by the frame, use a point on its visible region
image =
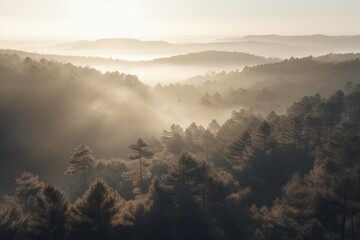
(340, 158)
(182, 178)
(186, 183)
(141, 150)
(272, 117)
(174, 140)
(352, 106)
(12, 220)
(348, 87)
(294, 130)
(214, 127)
(333, 109)
(235, 150)
(207, 143)
(192, 138)
(162, 215)
(202, 170)
(95, 214)
(226, 133)
(27, 189)
(261, 135)
(81, 161)
(50, 215)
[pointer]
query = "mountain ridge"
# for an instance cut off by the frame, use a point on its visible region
(264, 45)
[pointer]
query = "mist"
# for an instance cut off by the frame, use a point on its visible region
(179, 120)
(66, 105)
(68, 111)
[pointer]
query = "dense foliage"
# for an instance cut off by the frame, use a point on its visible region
(289, 176)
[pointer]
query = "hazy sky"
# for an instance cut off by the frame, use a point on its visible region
(174, 19)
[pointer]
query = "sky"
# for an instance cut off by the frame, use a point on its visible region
(180, 20)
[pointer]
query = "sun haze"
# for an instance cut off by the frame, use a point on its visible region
(24, 20)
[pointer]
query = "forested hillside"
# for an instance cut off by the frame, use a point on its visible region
(289, 176)
(47, 107)
(55, 106)
(278, 84)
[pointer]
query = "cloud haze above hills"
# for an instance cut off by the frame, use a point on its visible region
(173, 20)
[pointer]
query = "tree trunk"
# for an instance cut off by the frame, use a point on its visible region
(84, 172)
(99, 216)
(307, 139)
(203, 194)
(141, 177)
(52, 220)
(344, 215)
(352, 228)
(207, 152)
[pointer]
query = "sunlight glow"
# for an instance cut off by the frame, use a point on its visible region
(24, 20)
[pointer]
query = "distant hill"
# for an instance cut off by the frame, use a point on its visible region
(203, 59)
(317, 39)
(77, 60)
(263, 45)
(216, 58)
(116, 46)
(137, 47)
(282, 82)
(338, 57)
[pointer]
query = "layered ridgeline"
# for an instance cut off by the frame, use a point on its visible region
(209, 59)
(159, 69)
(275, 177)
(265, 45)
